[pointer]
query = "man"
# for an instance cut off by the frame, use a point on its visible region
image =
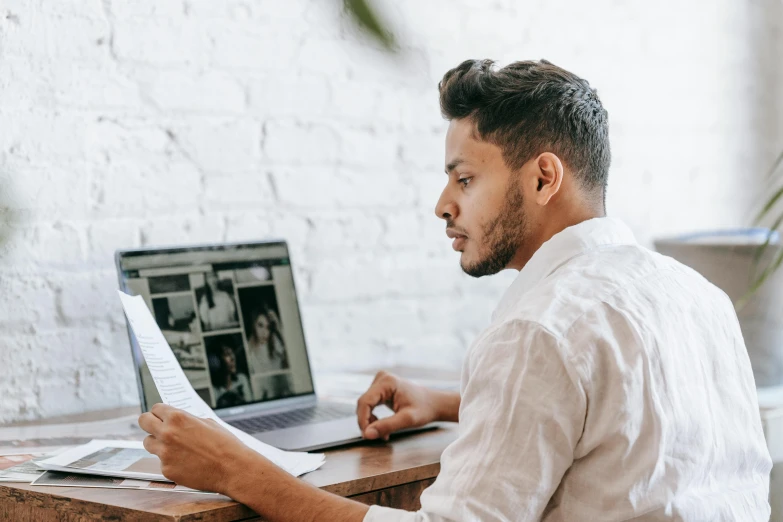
(612, 384)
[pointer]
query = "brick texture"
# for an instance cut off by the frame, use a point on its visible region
(127, 123)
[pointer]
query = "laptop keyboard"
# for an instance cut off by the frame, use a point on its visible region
(292, 418)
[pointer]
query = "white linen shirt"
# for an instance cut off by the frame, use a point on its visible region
(612, 384)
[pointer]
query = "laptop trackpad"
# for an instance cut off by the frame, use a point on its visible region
(313, 436)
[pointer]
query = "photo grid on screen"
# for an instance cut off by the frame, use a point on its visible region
(223, 323)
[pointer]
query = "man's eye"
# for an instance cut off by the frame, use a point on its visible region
(464, 181)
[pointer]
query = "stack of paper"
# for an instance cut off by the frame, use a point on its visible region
(99, 464)
(110, 458)
(56, 478)
(20, 468)
(175, 389)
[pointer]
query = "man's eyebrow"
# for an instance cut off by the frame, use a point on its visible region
(453, 165)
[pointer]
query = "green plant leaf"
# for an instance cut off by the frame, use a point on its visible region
(776, 165)
(366, 18)
(759, 281)
(769, 204)
(759, 253)
(771, 269)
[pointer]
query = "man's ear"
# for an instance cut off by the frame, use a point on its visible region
(548, 177)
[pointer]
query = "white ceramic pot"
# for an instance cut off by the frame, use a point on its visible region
(728, 266)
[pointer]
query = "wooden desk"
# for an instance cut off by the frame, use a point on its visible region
(389, 474)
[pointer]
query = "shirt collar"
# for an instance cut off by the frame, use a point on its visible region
(563, 246)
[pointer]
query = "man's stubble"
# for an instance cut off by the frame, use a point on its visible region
(502, 237)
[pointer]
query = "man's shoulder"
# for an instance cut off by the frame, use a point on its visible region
(628, 276)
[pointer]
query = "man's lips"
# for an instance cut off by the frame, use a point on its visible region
(459, 239)
(453, 234)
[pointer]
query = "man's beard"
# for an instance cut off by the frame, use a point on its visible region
(502, 236)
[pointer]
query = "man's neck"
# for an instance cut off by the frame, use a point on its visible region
(546, 230)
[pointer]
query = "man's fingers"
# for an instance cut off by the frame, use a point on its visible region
(152, 445)
(378, 376)
(172, 416)
(162, 411)
(384, 427)
(367, 422)
(380, 391)
(150, 423)
(365, 404)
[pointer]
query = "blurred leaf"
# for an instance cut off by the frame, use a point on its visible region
(763, 248)
(757, 282)
(759, 254)
(368, 20)
(776, 165)
(771, 269)
(769, 204)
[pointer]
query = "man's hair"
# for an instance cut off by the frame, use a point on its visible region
(529, 107)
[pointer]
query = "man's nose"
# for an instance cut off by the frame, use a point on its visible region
(446, 208)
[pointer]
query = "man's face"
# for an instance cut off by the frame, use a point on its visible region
(482, 203)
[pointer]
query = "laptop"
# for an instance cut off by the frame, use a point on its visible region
(231, 316)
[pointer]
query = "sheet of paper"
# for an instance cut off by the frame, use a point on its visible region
(60, 479)
(19, 468)
(110, 458)
(175, 389)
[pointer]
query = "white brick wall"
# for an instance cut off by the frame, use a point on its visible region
(126, 123)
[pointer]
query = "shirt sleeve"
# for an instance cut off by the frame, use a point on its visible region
(521, 415)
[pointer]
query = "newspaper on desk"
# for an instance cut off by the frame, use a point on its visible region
(175, 389)
(61, 479)
(20, 468)
(110, 458)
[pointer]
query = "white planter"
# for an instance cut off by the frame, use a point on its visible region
(729, 266)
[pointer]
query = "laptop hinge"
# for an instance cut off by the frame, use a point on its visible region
(255, 410)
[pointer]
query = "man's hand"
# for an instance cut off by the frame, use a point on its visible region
(413, 406)
(194, 452)
(200, 454)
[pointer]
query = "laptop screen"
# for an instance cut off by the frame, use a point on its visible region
(231, 317)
